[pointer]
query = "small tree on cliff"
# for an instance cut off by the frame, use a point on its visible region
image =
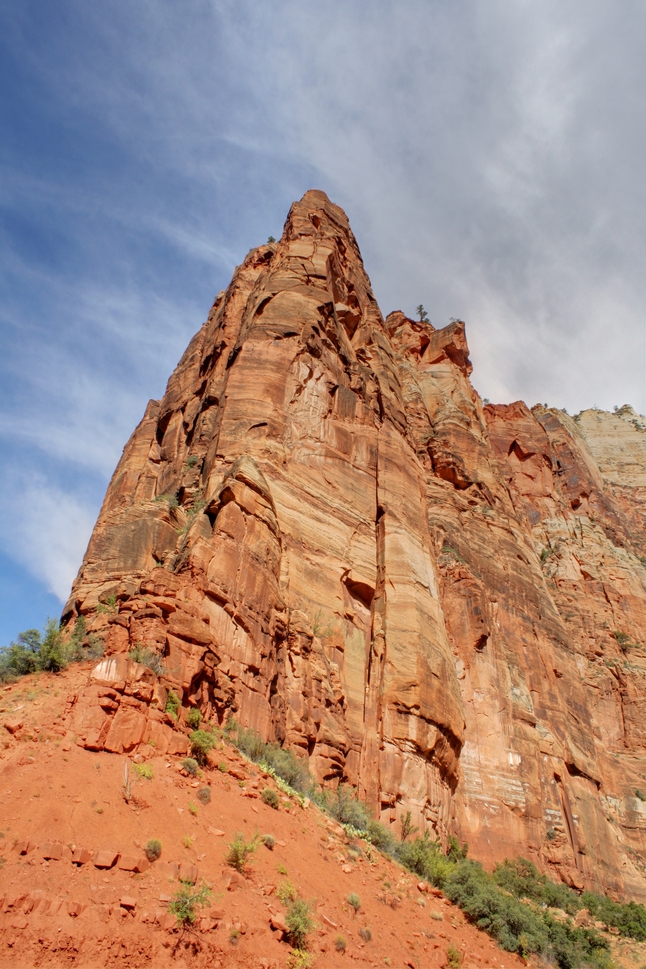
(423, 315)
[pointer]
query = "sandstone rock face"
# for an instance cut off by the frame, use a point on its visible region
(321, 530)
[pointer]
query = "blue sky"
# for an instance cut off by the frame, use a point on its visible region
(489, 155)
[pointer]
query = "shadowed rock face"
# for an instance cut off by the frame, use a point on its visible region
(322, 531)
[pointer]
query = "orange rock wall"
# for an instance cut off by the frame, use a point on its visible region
(322, 530)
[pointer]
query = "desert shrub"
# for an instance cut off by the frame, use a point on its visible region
(201, 743)
(144, 770)
(425, 858)
(239, 851)
(53, 656)
(345, 806)
(193, 718)
(503, 917)
(271, 798)
(340, 943)
(523, 880)
(192, 808)
(365, 933)
(407, 826)
(284, 763)
(185, 900)
(640, 794)
(299, 959)
(204, 795)
(153, 849)
(286, 892)
(148, 657)
(629, 918)
(453, 957)
(354, 901)
(191, 766)
(299, 923)
(269, 841)
(173, 704)
(381, 837)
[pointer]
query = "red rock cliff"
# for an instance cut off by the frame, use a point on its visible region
(321, 530)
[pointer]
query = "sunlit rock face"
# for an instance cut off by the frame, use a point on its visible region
(321, 530)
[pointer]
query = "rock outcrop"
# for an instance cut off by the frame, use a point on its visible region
(321, 530)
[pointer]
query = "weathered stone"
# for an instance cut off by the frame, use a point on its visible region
(187, 872)
(322, 530)
(106, 858)
(136, 863)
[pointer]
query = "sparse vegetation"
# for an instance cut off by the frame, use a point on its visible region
(270, 797)
(153, 849)
(623, 640)
(406, 825)
(193, 718)
(201, 743)
(365, 933)
(340, 944)
(286, 892)
(173, 704)
(269, 841)
(299, 923)
(354, 901)
(422, 314)
(187, 841)
(185, 901)
(192, 808)
(284, 763)
(147, 657)
(191, 766)
(453, 957)
(204, 795)
(171, 500)
(144, 770)
(239, 851)
(299, 959)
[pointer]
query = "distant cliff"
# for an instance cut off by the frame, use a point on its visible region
(321, 529)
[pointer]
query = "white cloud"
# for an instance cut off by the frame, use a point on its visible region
(48, 531)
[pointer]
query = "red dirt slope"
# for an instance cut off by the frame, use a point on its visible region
(58, 799)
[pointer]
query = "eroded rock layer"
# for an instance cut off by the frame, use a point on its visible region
(321, 530)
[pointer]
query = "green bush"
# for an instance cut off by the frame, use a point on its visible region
(340, 943)
(193, 718)
(201, 743)
(299, 923)
(285, 763)
(144, 771)
(345, 806)
(523, 880)
(354, 901)
(239, 851)
(185, 900)
(173, 704)
(204, 794)
(269, 841)
(153, 849)
(191, 766)
(148, 657)
(381, 837)
(629, 918)
(270, 797)
(425, 858)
